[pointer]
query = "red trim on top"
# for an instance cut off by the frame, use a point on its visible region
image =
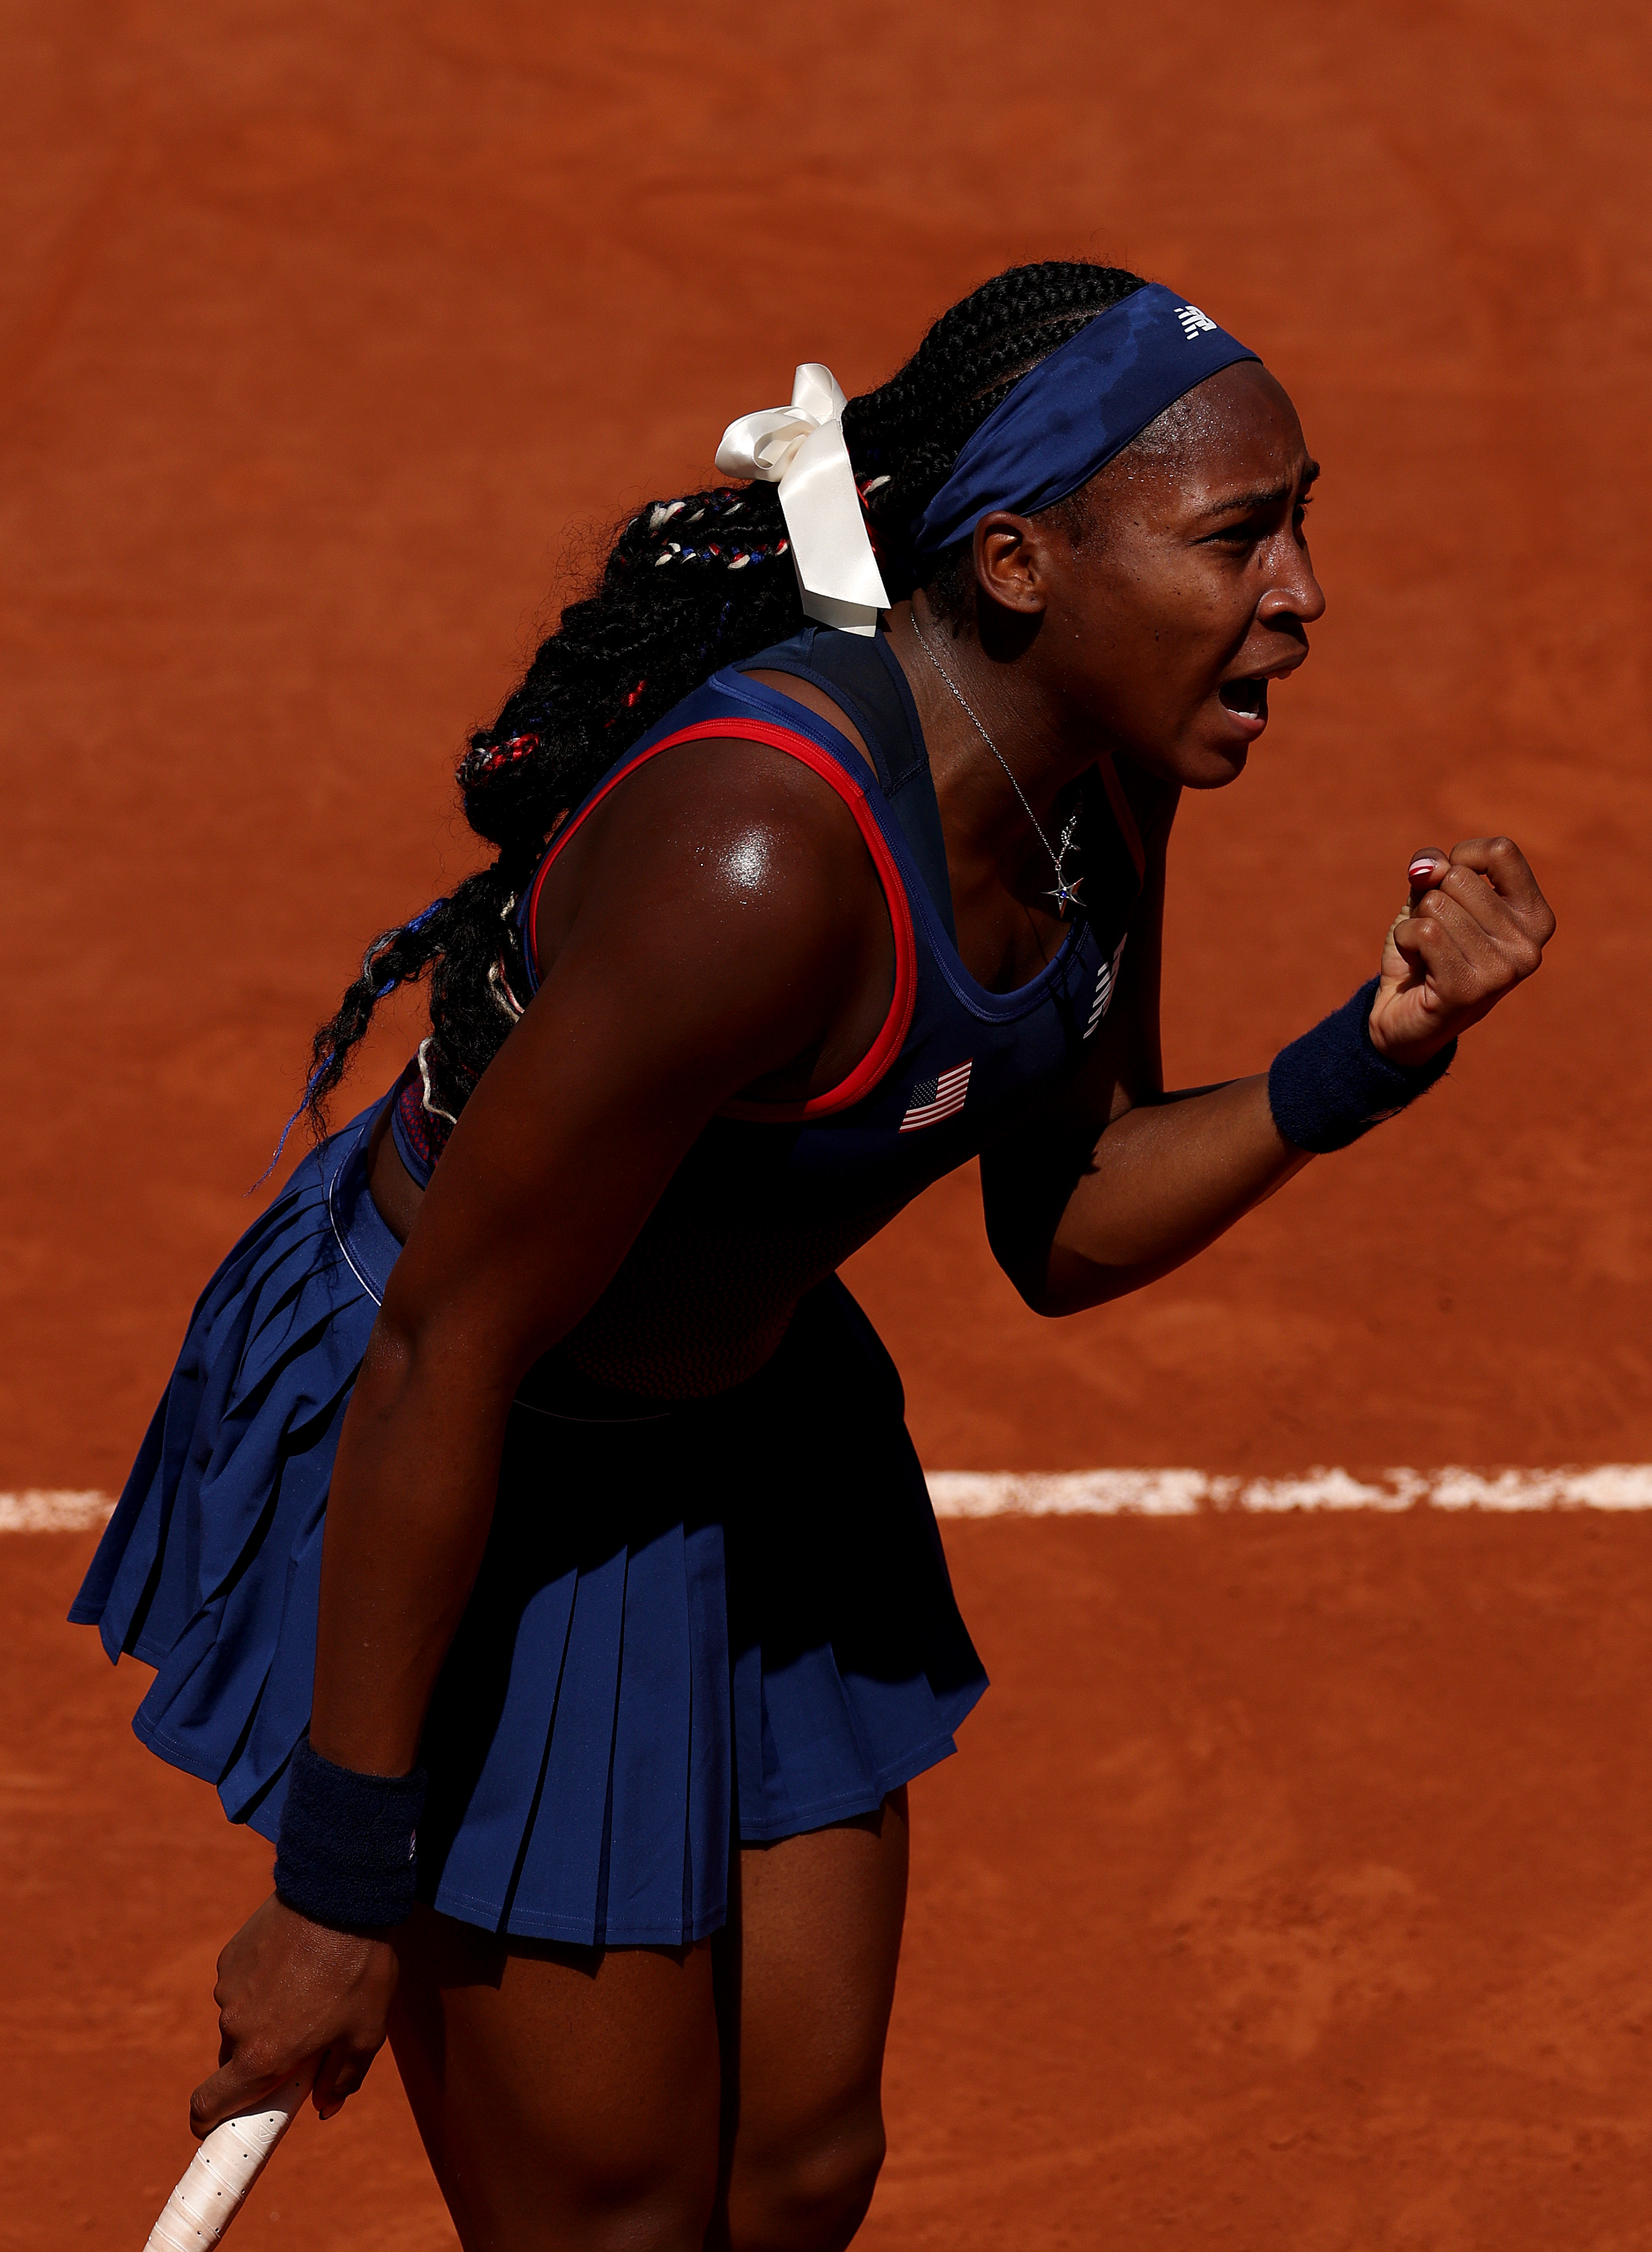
(890, 1041)
(1123, 813)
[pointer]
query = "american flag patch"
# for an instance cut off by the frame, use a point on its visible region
(1107, 978)
(935, 1099)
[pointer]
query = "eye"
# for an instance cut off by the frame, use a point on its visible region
(1244, 533)
(1262, 520)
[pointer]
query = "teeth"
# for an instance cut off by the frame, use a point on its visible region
(1243, 696)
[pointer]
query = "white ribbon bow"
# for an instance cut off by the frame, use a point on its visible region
(800, 449)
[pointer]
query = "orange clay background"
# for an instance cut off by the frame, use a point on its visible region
(1295, 1886)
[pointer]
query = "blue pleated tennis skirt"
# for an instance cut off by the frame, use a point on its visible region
(727, 1620)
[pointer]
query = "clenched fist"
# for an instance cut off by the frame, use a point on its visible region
(1475, 926)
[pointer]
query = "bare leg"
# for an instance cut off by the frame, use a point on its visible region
(568, 2098)
(805, 2001)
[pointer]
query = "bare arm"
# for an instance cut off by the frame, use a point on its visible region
(728, 925)
(695, 964)
(1126, 1183)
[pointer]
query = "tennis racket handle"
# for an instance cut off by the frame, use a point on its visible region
(229, 2161)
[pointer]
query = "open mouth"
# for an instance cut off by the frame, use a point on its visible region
(1247, 697)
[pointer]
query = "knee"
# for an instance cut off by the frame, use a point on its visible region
(656, 2207)
(610, 2193)
(811, 2197)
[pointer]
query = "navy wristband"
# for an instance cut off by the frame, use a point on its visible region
(1331, 1087)
(347, 1852)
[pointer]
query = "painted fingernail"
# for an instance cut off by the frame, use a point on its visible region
(1424, 868)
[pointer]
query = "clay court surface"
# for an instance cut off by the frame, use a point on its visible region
(1293, 1888)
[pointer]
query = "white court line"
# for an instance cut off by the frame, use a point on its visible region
(42, 1510)
(1188, 1493)
(1125, 1493)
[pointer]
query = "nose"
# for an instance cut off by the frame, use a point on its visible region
(1292, 590)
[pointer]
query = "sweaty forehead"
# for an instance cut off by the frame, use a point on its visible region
(1236, 429)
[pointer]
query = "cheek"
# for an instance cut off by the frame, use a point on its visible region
(1155, 629)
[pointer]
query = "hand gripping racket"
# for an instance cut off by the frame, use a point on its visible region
(224, 2168)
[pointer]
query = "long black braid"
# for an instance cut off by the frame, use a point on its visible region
(690, 585)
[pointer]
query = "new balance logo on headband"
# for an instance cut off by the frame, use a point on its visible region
(1082, 404)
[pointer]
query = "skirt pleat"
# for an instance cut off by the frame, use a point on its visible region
(646, 1880)
(210, 1570)
(727, 1620)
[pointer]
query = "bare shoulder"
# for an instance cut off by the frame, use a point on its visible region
(732, 832)
(724, 879)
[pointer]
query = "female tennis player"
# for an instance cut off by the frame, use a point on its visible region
(529, 1540)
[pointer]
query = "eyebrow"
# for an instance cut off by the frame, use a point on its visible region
(1262, 496)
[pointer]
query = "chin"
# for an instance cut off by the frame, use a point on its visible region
(1190, 761)
(1213, 770)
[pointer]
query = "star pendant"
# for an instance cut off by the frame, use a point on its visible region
(1065, 894)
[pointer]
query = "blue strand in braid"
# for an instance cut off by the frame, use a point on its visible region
(324, 1063)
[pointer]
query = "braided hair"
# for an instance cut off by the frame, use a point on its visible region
(690, 584)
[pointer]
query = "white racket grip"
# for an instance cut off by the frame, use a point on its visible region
(229, 2161)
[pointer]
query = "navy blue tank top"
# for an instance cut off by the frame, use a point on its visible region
(774, 1196)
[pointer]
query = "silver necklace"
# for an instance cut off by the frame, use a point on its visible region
(1065, 894)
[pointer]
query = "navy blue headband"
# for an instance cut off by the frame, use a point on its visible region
(1076, 410)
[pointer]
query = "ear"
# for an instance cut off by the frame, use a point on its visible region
(1012, 563)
